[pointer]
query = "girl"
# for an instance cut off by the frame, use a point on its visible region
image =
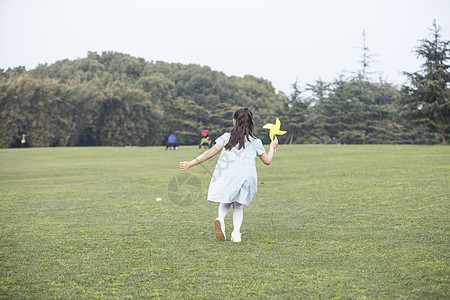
(234, 180)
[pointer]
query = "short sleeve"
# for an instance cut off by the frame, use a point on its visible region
(259, 147)
(223, 140)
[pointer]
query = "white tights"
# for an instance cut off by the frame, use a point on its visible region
(238, 214)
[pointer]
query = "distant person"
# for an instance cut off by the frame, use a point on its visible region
(234, 180)
(205, 143)
(172, 142)
(23, 140)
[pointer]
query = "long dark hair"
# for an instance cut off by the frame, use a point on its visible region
(243, 130)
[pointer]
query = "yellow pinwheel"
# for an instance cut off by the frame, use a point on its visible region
(274, 129)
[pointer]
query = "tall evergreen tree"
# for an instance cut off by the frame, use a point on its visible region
(296, 117)
(320, 91)
(426, 101)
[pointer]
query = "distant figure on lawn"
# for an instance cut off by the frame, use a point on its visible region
(234, 180)
(172, 142)
(205, 143)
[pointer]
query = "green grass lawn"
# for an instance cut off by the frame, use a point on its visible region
(327, 222)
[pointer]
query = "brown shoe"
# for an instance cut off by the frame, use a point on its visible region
(219, 230)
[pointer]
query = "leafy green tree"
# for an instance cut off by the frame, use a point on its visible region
(86, 109)
(38, 108)
(426, 101)
(221, 118)
(184, 121)
(128, 117)
(11, 73)
(12, 114)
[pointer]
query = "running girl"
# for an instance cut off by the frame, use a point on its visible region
(234, 181)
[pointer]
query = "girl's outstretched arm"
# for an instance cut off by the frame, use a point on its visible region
(184, 165)
(267, 158)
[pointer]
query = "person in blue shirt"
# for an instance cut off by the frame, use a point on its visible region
(172, 142)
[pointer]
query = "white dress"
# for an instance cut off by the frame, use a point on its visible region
(234, 178)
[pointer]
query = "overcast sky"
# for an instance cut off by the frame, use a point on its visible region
(279, 40)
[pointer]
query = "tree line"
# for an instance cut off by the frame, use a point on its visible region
(115, 99)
